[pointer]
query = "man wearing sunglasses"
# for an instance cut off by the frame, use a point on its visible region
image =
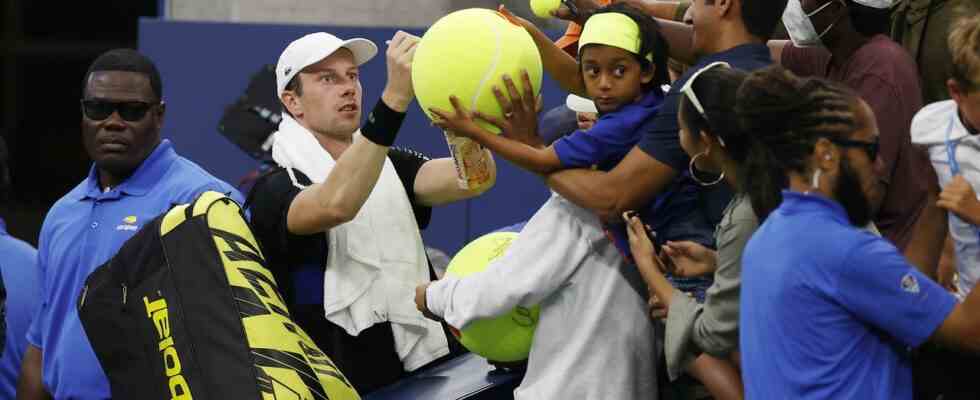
(843, 40)
(135, 176)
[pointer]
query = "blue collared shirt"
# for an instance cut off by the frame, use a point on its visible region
(82, 231)
(829, 310)
(18, 265)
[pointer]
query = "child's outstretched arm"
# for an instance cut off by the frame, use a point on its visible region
(562, 67)
(518, 141)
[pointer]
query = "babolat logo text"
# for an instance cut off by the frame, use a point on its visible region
(158, 313)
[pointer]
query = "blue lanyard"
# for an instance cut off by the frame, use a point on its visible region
(954, 166)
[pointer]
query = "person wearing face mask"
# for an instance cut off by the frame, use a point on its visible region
(828, 310)
(841, 40)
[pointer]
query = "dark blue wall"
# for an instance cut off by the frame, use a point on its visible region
(206, 66)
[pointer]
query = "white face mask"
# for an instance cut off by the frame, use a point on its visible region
(799, 26)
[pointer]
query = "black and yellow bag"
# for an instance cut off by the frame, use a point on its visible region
(187, 310)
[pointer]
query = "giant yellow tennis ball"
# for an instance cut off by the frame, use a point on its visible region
(507, 337)
(465, 54)
(543, 8)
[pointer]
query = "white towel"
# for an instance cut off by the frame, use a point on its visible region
(374, 261)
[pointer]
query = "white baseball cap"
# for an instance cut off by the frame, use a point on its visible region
(580, 104)
(880, 4)
(312, 48)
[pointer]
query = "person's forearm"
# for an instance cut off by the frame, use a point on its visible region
(636, 180)
(339, 198)
(537, 160)
(30, 386)
(562, 67)
(680, 40)
(659, 9)
(353, 177)
(655, 280)
(926, 244)
(586, 188)
(970, 335)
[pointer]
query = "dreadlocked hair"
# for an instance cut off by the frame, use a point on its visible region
(785, 116)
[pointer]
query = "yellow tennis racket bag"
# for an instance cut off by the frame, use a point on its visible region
(187, 310)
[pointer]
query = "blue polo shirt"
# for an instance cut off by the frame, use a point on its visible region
(612, 136)
(18, 266)
(828, 311)
(83, 230)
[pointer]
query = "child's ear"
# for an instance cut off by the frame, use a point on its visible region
(646, 74)
(954, 90)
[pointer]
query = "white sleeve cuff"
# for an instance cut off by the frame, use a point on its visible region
(436, 295)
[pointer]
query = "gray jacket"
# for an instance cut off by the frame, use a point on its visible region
(712, 327)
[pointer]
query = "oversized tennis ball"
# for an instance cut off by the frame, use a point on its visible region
(543, 8)
(465, 54)
(507, 337)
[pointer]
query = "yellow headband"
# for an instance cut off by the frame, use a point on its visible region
(612, 29)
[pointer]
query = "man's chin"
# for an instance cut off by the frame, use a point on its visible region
(115, 165)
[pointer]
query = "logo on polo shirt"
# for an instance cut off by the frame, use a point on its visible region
(910, 284)
(128, 224)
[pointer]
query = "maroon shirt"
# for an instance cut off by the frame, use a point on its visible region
(885, 76)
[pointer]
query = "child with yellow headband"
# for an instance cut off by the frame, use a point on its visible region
(594, 339)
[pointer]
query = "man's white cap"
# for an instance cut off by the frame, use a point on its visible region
(312, 48)
(880, 4)
(580, 104)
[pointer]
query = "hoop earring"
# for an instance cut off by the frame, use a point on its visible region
(690, 168)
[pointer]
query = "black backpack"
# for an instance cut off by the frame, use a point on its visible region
(187, 310)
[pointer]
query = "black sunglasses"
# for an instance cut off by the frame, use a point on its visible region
(132, 111)
(869, 147)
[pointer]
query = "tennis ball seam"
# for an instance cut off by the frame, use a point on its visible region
(498, 50)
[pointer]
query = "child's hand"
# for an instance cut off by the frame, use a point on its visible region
(420, 302)
(520, 120)
(689, 259)
(640, 244)
(959, 198)
(460, 122)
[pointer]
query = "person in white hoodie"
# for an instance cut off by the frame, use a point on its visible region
(339, 219)
(949, 130)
